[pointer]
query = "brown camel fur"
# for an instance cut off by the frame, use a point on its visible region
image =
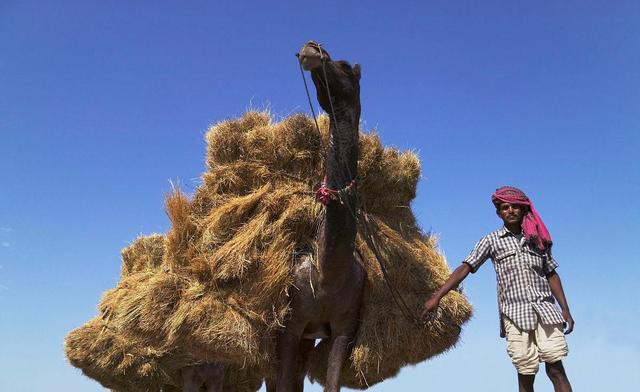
(208, 377)
(326, 295)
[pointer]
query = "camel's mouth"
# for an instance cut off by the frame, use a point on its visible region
(311, 55)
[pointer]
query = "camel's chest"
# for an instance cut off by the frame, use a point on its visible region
(324, 298)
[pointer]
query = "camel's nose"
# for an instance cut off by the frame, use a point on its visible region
(309, 60)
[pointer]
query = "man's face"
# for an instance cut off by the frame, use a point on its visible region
(511, 214)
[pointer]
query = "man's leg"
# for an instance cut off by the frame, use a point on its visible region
(525, 382)
(524, 354)
(552, 347)
(558, 377)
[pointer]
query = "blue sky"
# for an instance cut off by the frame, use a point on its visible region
(104, 102)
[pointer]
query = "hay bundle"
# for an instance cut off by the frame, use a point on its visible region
(144, 254)
(122, 363)
(113, 348)
(219, 292)
(387, 340)
(261, 215)
(118, 361)
(124, 348)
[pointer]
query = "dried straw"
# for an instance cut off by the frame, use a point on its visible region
(215, 287)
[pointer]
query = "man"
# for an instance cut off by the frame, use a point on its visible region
(527, 285)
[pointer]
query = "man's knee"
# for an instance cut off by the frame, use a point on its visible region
(521, 349)
(525, 382)
(552, 344)
(525, 365)
(555, 371)
(524, 357)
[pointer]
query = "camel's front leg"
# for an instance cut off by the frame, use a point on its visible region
(190, 380)
(214, 377)
(270, 384)
(288, 345)
(306, 345)
(337, 357)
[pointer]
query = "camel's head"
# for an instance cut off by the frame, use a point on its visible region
(343, 78)
(311, 56)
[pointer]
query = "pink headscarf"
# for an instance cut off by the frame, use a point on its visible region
(534, 229)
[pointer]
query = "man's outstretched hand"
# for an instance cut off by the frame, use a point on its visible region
(569, 320)
(429, 308)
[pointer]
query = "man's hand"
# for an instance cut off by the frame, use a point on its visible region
(569, 321)
(556, 288)
(429, 307)
(453, 281)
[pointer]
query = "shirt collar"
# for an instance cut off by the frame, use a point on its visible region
(503, 232)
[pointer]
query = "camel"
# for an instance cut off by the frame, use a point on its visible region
(326, 295)
(208, 377)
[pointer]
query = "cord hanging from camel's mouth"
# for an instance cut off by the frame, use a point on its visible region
(325, 195)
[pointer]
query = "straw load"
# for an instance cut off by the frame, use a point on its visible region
(214, 288)
(120, 348)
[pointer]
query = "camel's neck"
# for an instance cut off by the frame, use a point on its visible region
(336, 241)
(341, 171)
(341, 165)
(337, 237)
(339, 96)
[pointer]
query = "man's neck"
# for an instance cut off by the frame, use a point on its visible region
(514, 229)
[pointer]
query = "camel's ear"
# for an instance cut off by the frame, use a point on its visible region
(356, 71)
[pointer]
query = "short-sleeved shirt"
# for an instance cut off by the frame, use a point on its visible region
(524, 294)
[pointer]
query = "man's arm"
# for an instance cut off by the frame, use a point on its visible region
(556, 288)
(452, 282)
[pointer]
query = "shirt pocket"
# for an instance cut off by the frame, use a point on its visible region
(506, 268)
(503, 256)
(536, 259)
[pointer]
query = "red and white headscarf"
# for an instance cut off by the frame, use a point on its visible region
(532, 225)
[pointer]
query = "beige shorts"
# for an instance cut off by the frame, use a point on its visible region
(528, 348)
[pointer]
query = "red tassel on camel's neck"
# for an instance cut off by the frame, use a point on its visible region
(324, 194)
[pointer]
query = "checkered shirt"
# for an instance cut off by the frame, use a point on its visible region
(523, 289)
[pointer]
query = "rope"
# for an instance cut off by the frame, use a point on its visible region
(395, 293)
(304, 79)
(325, 194)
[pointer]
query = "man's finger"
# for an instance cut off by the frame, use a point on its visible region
(427, 315)
(569, 327)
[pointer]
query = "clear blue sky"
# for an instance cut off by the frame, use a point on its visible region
(103, 102)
